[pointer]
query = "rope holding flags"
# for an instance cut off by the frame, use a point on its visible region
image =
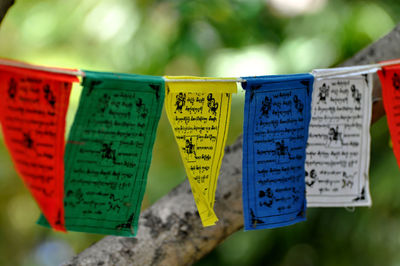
(306, 141)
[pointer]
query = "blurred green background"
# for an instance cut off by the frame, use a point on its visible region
(213, 38)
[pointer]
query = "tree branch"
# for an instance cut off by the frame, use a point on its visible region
(384, 49)
(170, 230)
(4, 6)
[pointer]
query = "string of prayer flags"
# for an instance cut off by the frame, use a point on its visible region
(338, 150)
(109, 151)
(306, 141)
(199, 114)
(390, 80)
(33, 107)
(275, 131)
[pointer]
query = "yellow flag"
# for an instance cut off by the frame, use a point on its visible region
(199, 115)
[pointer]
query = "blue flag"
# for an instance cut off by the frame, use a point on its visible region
(275, 131)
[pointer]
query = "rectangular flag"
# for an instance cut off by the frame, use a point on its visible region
(33, 106)
(390, 81)
(199, 115)
(109, 151)
(275, 130)
(338, 149)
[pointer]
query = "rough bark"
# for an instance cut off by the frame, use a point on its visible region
(170, 230)
(4, 6)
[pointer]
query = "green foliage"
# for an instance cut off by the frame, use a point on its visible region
(216, 38)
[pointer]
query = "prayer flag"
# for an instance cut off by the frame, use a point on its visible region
(199, 114)
(275, 131)
(390, 80)
(33, 106)
(338, 149)
(109, 151)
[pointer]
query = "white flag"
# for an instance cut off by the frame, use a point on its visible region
(338, 148)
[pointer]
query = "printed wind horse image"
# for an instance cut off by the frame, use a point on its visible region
(49, 96)
(311, 178)
(103, 102)
(277, 112)
(298, 104)
(212, 104)
(108, 152)
(180, 102)
(282, 151)
(199, 115)
(266, 106)
(335, 138)
(32, 114)
(190, 150)
(396, 81)
(323, 93)
(12, 88)
(338, 144)
(356, 94)
(141, 109)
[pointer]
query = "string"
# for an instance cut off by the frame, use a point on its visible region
(206, 80)
(377, 99)
(330, 73)
(350, 209)
(41, 68)
(355, 69)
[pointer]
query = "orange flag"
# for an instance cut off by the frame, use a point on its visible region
(33, 106)
(390, 80)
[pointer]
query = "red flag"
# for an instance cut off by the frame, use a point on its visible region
(33, 107)
(390, 80)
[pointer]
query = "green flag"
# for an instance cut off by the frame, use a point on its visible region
(108, 152)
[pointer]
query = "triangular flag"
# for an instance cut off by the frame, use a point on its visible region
(109, 151)
(390, 80)
(199, 114)
(275, 130)
(338, 149)
(33, 106)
